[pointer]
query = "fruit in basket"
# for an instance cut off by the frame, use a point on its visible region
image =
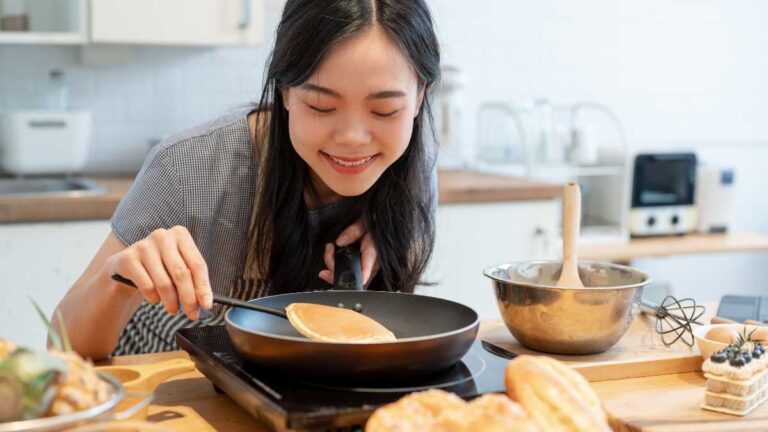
(38, 384)
(27, 384)
(79, 387)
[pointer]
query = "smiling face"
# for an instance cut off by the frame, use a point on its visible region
(353, 117)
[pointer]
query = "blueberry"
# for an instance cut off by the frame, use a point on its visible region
(757, 354)
(747, 358)
(737, 362)
(718, 357)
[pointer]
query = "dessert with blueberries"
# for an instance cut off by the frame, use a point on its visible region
(737, 376)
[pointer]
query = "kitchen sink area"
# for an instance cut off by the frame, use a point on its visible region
(12, 187)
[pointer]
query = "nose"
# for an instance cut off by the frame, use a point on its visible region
(352, 130)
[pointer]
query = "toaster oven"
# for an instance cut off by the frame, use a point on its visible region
(663, 191)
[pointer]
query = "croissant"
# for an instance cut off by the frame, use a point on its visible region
(557, 397)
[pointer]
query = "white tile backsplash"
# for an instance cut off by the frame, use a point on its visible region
(685, 74)
(162, 91)
(674, 72)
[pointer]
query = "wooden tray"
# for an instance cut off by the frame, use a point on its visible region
(640, 353)
(670, 403)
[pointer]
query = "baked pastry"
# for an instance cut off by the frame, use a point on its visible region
(737, 378)
(557, 397)
(440, 411)
(552, 398)
(496, 412)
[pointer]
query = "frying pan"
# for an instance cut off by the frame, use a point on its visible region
(432, 333)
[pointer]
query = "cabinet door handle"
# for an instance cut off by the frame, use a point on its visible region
(245, 14)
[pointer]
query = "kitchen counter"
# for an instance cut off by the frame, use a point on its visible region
(454, 187)
(664, 246)
(668, 402)
(68, 207)
(473, 187)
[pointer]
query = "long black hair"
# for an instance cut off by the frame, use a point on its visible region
(398, 209)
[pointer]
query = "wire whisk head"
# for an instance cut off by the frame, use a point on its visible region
(674, 319)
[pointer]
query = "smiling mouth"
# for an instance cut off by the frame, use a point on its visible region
(348, 162)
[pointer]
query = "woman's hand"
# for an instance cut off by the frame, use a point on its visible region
(167, 266)
(368, 256)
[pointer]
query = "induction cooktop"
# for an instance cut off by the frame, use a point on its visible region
(291, 403)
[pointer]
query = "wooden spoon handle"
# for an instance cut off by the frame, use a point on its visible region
(571, 227)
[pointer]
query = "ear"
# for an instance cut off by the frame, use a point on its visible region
(419, 101)
(286, 91)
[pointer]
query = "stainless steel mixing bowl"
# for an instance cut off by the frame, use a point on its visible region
(567, 320)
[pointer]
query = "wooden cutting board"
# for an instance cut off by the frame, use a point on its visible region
(640, 353)
(670, 403)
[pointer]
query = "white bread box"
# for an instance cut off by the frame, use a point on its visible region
(44, 142)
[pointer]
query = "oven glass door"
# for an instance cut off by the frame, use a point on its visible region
(664, 180)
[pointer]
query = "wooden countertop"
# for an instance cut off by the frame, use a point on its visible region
(469, 186)
(454, 187)
(675, 245)
(66, 207)
(668, 403)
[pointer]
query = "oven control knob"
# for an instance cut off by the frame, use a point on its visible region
(651, 221)
(675, 220)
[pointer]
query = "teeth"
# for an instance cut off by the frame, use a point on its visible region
(350, 163)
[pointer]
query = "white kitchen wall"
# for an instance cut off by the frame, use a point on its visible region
(683, 74)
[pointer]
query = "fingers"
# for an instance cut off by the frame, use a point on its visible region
(327, 276)
(352, 234)
(329, 256)
(167, 267)
(134, 270)
(177, 269)
(151, 260)
(368, 257)
(196, 264)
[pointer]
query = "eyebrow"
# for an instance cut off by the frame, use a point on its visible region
(384, 94)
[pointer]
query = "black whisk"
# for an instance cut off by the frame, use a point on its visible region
(674, 318)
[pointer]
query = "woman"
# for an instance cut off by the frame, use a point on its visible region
(252, 204)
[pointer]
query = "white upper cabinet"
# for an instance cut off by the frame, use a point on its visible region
(176, 22)
(135, 22)
(43, 21)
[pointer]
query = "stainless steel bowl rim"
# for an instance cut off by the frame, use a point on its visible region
(487, 272)
(63, 420)
(474, 323)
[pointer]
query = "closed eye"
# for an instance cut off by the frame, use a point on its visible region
(387, 114)
(321, 110)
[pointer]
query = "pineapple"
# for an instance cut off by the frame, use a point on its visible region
(27, 384)
(79, 387)
(36, 384)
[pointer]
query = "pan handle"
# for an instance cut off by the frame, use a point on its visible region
(347, 273)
